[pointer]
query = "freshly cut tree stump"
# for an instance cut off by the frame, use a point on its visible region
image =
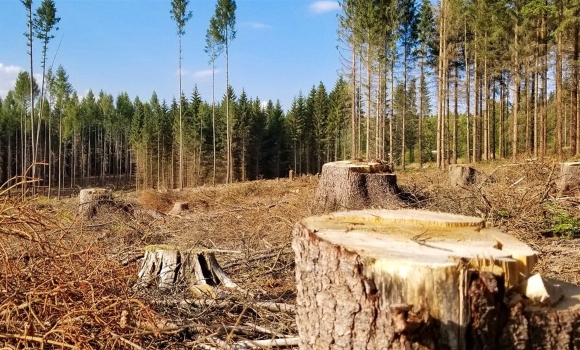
(347, 185)
(405, 279)
(91, 198)
(461, 175)
(168, 267)
(569, 180)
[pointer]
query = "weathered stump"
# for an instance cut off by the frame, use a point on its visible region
(90, 199)
(178, 208)
(382, 279)
(569, 180)
(348, 185)
(168, 267)
(461, 175)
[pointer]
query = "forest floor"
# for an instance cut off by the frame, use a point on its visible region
(69, 283)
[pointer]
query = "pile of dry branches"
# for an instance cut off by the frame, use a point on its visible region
(65, 283)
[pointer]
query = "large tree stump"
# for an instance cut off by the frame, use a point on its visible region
(382, 279)
(569, 180)
(461, 175)
(92, 198)
(347, 185)
(169, 267)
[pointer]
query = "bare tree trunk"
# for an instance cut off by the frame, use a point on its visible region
(574, 92)
(559, 102)
(516, 97)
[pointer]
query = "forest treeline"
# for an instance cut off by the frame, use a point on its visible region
(454, 81)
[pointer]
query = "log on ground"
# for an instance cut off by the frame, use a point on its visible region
(90, 199)
(404, 279)
(348, 185)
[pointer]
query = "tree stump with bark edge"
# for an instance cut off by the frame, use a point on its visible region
(169, 267)
(461, 175)
(348, 185)
(91, 198)
(382, 279)
(569, 180)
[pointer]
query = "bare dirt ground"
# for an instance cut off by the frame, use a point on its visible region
(68, 283)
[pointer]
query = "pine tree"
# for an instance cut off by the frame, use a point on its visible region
(181, 16)
(213, 47)
(223, 31)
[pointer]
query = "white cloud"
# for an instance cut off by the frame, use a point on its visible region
(202, 74)
(324, 6)
(257, 25)
(8, 75)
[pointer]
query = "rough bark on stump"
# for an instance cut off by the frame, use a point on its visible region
(569, 180)
(91, 198)
(347, 185)
(461, 175)
(383, 279)
(168, 267)
(178, 208)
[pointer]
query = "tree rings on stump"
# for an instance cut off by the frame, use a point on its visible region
(91, 198)
(405, 279)
(569, 180)
(461, 175)
(168, 267)
(347, 185)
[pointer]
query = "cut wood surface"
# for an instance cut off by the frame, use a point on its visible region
(347, 185)
(91, 198)
(384, 279)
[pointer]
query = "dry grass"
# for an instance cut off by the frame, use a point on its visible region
(68, 284)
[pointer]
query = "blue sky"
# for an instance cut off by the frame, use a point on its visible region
(282, 47)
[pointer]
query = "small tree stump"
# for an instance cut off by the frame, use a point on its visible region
(461, 175)
(569, 180)
(178, 208)
(383, 279)
(91, 198)
(168, 267)
(347, 185)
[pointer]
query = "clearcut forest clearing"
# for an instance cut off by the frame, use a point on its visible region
(70, 283)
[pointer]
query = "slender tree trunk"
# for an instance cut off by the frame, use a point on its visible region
(574, 92)
(476, 116)
(30, 37)
(391, 135)
(229, 161)
(455, 154)
(467, 96)
(516, 96)
(368, 116)
(559, 102)
(441, 85)
(213, 118)
(420, 126)
(353, 150)
(180, 123)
